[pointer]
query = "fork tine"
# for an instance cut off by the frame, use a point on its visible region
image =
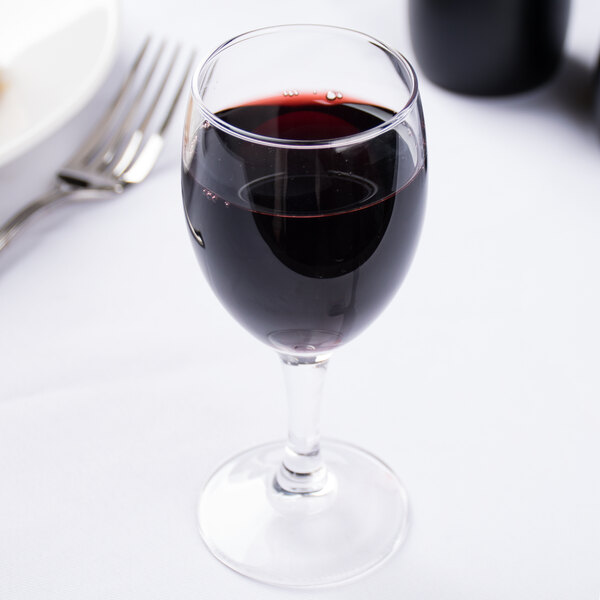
(128, 154)
(104, 158)
(148, 155)
(178, 93)
(91, 144)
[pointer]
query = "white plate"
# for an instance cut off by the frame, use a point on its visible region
(54, 55)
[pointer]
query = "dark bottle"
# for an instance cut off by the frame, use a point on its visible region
(488, 47)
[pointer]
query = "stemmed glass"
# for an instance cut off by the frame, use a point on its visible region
(304, 176)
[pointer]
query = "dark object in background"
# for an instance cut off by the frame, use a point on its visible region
(488, 47)
(597, 96)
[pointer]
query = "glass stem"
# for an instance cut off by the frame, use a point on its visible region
(302, 470)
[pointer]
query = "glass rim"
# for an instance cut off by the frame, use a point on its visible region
(396, 118)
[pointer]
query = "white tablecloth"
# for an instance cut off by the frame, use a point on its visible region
(123, 381)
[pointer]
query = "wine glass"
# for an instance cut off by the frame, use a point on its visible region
(304, 176)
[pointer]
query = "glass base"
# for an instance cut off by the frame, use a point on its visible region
(339, 533)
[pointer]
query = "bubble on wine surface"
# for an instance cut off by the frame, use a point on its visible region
(333, 95)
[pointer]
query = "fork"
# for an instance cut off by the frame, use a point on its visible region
(122, 149)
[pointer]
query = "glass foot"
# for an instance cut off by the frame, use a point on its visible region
(339, 533)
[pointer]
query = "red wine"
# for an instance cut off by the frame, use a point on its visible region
(304, 245)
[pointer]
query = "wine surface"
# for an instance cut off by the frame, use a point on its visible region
(304, 246)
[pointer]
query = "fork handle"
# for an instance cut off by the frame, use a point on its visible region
(58, 195)
(51, 198)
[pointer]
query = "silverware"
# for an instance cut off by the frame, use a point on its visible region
(122, 149)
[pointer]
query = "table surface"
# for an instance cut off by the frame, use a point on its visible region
(124, 382)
